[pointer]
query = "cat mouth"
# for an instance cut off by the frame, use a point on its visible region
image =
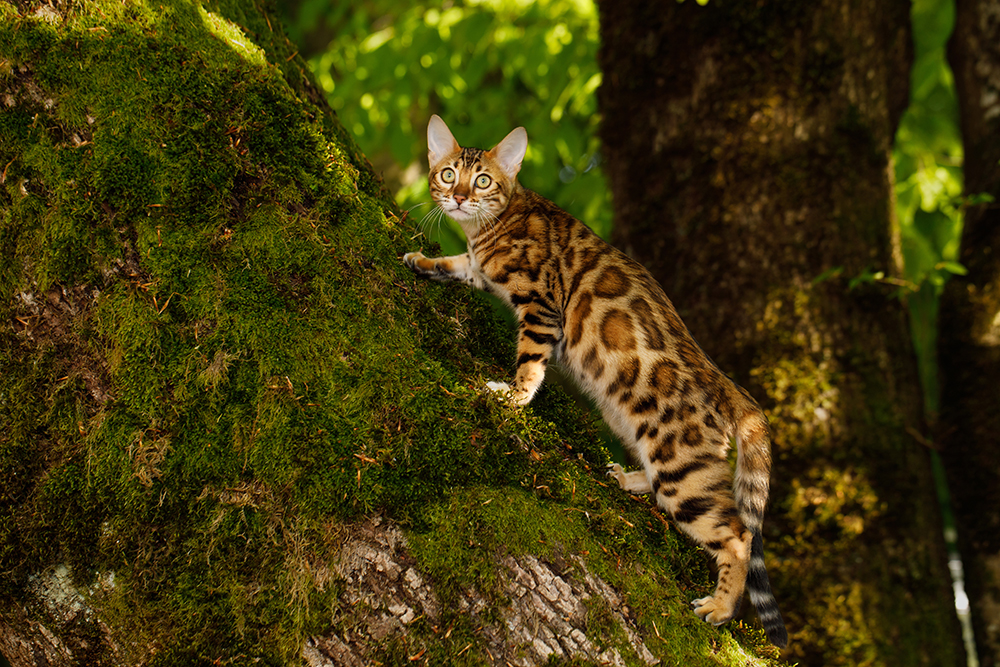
(458, 213)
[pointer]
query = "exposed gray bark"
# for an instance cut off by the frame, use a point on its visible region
(546, 616)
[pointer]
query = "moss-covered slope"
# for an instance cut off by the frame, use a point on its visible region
(213, 365)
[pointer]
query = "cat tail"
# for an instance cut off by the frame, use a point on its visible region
(759, 590)
(753, 469)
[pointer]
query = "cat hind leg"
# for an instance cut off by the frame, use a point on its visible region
(720, 531)
(732, 559)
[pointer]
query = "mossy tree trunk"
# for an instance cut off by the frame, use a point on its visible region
(748, 149)
(234, 429)
(969, 344)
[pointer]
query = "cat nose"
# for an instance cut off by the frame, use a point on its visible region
(459, 199)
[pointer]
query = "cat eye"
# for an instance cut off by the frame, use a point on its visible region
(483, 181)
(448, 175)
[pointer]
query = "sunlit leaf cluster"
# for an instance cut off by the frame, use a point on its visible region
(928, 154)
(485, 66)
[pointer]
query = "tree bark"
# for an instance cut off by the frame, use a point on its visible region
(748, 150)
(234, 429)
(969, 344)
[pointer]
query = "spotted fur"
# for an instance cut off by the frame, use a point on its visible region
(603, 316)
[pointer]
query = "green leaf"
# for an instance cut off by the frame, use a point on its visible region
(953, 267)
(979, 199)
(829, 274)
(865, 277)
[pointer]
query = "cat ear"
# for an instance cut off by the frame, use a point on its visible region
(510, 152)
(440, 141)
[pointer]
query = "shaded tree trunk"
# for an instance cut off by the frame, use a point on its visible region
(748, 148)
(969, 344)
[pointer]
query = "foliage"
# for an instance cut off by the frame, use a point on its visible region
(928, 153)
(485, 66)
(928, 171)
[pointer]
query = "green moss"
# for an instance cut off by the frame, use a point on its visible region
(213, 353)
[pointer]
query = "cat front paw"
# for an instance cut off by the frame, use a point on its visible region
(435, 268)
(499, 387)
(633, 482)
(412, 261)
(616, 471)
(508, 393)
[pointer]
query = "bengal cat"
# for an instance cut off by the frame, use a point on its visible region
(605, 319)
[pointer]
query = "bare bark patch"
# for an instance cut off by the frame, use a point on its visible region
(550, 609)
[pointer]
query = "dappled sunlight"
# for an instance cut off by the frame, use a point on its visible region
(991, 336)
(233, 36)
(802, 377)
(830, 497)
(581, 7)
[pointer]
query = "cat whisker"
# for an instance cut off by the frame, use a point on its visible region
(431, 221)
(420, 223)
(418, 205)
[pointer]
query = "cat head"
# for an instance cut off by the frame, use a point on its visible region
(471, 185)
